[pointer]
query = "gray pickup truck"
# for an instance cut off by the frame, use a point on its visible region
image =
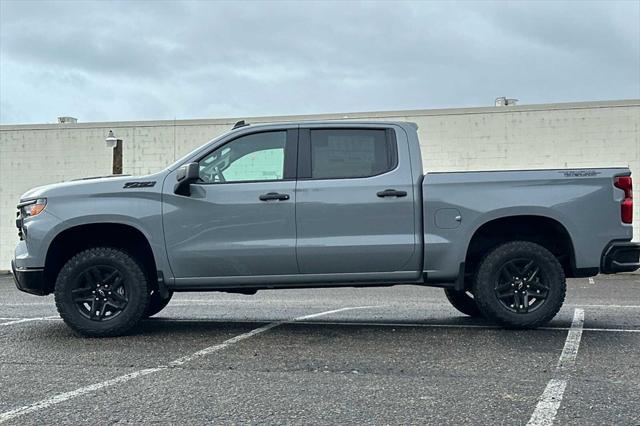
(320, 204)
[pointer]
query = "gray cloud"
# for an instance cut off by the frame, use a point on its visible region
(159, 60)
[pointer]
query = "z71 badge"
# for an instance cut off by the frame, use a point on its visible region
(131, 185)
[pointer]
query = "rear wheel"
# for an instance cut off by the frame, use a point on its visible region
(101, 291)
(520, 284)
(157, 303)
(463, 301)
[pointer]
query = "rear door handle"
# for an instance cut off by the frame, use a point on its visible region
(274, 196)
(392, 193)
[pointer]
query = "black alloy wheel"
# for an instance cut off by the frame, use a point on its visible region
(101, 293)
(520, 286)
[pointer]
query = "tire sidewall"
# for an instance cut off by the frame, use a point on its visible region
(487, 274)
(157, 303)
(463, 302)
(133, 277)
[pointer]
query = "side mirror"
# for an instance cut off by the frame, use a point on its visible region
(186, 175)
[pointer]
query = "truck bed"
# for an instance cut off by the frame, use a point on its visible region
(457, 204)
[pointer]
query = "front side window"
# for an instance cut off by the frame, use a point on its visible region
(255, 157)
(350, 153)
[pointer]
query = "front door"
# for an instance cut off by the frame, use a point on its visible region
(355, 202)
(240, 217)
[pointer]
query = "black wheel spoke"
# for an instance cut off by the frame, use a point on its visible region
(517, 300)
(525, 269)
(117, 296)
(533, 274)
(96, 296)
(88, 281)
(525, 302)
(112, 277)
(103, 310)
(95, 275)
(95, 309)
(504, 273)
(82, 294)
(117, 282)
(505, 295)
(117, 300)
(117, 304)
(538, 294)
(519, 286)
(512, 270)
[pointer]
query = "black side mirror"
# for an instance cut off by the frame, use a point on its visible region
(186, 175)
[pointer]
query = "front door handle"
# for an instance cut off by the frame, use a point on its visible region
(392, 193)
(274, 196)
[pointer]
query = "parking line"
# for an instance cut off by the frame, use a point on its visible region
(549, 402)
(21, 320)
(56, 399)
(572, 344)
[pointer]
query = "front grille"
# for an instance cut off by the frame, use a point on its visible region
(19, 224)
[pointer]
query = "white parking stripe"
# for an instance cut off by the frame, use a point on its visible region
(549, 402)
(21, 320)
(572, 344)
(56, 399)
(321, 314)
(215, 348)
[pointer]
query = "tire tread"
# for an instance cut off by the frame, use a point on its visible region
(485, 297)
(64, 277)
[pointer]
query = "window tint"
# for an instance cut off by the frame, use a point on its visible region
(349, 153)
(255, 157)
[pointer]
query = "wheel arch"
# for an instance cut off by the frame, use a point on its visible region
(74, 239)
(547, 231)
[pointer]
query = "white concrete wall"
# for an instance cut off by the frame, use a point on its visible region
(589, 134)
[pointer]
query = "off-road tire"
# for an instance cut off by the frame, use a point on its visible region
(133, 277)
(463, 302)
(156, 303)
(486, 281)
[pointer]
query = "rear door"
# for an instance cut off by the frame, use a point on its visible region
(354, 201)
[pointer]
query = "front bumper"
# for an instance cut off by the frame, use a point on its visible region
(620, 257)
(29, 280)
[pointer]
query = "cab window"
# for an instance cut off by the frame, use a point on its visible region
(254, 157)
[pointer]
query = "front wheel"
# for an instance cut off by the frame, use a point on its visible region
(101, 292)
(520, 284)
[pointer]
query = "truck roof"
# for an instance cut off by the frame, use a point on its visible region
(243, 124)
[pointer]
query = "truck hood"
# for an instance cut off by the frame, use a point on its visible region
(87, 186)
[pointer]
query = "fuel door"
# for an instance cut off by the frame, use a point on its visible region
(448, 218)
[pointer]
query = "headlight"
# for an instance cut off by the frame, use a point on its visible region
(32, 207)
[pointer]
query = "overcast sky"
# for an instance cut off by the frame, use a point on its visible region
(101, 61)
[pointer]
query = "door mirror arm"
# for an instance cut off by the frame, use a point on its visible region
(186, 175)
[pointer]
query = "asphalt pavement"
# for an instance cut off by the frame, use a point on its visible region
(395, 355)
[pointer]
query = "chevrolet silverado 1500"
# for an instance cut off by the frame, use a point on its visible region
(321, 204)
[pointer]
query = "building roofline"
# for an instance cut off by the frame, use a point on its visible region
(398, 115)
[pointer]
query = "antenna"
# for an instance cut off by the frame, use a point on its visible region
(239, 124)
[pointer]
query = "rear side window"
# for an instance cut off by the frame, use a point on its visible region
(351, 153)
